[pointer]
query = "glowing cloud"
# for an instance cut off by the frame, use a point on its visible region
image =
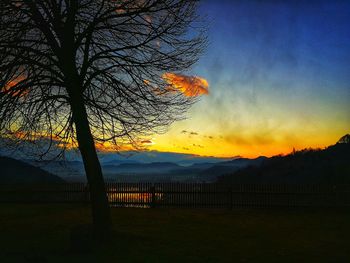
(147, 142)
(190, 86)
(11, 87)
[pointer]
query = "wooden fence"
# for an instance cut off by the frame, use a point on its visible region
(201, 195)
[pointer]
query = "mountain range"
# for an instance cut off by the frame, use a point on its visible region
(307, 166)
(149, 172)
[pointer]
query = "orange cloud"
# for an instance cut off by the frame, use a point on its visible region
(10, 87)
(120, 11)
(190, 86)
(70, 144)
(110, 147)
(147, 142)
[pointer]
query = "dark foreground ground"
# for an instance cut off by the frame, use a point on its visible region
(40, 233)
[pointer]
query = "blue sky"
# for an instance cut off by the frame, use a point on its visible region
(279, 76)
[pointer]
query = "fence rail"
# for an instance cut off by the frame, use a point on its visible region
(201, 195)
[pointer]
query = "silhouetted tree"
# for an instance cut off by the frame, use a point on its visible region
(82, 72)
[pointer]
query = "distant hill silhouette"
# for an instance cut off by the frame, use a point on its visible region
(73, 171)
(328, 166)
(13, 171)
(169, 172)
(142, 168)
(218, 169)
(345, 139)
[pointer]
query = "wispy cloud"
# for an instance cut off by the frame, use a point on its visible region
(13, 87)
(147, 142)
(190, 86)
(189, 132)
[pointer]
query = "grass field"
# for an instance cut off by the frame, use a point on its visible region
(40, 233)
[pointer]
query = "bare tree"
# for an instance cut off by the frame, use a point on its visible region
(81, 72)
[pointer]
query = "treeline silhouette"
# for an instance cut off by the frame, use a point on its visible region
(309, 166)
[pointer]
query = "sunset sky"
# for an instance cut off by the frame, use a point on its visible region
(279, 77)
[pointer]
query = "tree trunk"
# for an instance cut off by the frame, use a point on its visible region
(101, 216)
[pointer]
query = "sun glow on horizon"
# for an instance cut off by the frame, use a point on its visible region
(279, 80)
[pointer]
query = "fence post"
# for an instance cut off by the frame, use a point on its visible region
(335, 195)
(86, 193)
(230, 191)
(153, 197)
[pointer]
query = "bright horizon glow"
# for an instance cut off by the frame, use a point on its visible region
(279, 76)
(275, 77)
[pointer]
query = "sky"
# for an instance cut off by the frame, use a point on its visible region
(278, 75)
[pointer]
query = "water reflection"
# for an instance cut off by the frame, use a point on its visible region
(132, 197)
